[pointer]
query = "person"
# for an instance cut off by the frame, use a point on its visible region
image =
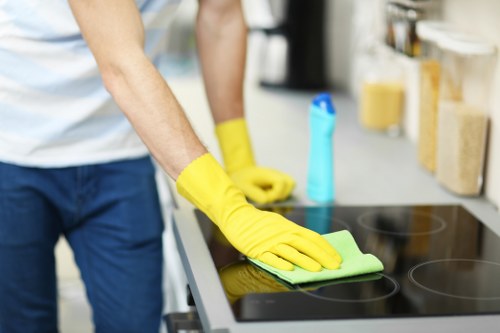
(82, 109)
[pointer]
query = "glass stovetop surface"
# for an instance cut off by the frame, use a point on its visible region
(438, 261)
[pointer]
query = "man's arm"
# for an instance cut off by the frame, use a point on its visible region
(221, 35)
(117, 43)
(222, 41)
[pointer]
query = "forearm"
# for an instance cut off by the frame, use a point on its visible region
(221, 35)
(147, 101)
(116, 42)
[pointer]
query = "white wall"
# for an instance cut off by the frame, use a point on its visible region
(482, 17)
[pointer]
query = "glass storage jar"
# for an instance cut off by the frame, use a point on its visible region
(382, 96)
(429, 33)
(464, 103)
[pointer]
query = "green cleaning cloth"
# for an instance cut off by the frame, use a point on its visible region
(354, 262)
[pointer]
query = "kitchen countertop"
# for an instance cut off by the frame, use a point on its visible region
(371, 168)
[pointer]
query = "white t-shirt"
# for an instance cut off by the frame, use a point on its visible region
(54, 109)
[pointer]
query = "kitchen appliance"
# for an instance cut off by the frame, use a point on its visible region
(442, 267)
(293, 52)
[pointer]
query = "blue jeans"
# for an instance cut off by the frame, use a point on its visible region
(111, 217)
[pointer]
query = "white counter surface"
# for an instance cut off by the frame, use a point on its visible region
(371, 168)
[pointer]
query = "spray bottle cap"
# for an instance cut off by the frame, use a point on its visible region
(324, 102)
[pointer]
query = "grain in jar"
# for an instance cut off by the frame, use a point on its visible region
(464, 101)
(429, 32)
(462, 136)
(382, 94)
(429, 96)
(381, 104)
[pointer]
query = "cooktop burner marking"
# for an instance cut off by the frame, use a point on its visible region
(394, 291)
(487, 265)
(364, 221)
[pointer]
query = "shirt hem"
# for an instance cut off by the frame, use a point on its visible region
(57, 162)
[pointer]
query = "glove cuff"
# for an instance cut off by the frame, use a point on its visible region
(207, 186)
(235, 145)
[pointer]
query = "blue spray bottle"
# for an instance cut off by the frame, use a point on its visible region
(320, 177)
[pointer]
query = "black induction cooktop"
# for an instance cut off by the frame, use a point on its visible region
(438, 261)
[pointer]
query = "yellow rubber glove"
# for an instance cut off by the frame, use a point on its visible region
(262, 185)
(265, 236)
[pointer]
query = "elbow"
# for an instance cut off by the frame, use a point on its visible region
(118, 71)
(112, 76)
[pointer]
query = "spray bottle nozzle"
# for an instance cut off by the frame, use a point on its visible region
(324, 101)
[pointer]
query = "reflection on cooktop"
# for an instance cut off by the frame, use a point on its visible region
(401, 222)
(438, 261)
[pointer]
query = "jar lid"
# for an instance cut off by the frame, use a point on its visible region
(433, 31)
(466, 44)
